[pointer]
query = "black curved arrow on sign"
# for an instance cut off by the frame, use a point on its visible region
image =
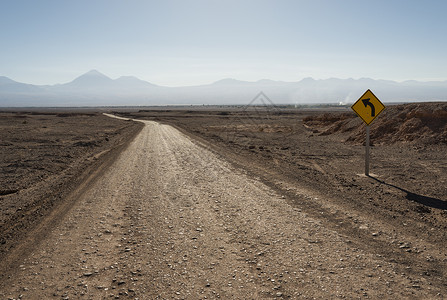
(366, 103)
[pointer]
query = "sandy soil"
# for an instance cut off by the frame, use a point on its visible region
(403, 206)
(323, 151)
(44, 156)
(244, 205)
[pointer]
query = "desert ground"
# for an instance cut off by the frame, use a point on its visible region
(223, 202)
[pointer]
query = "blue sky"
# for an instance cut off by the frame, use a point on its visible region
(178, 43)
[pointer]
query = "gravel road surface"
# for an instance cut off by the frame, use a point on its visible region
(173, 220)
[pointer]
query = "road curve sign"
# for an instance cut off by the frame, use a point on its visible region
(368, 107)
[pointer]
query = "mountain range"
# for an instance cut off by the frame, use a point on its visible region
(96, 89)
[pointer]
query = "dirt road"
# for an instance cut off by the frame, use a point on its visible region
(172, 220)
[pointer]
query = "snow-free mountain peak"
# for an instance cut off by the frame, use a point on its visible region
(229, 81)
(94, 72)
(91, 78)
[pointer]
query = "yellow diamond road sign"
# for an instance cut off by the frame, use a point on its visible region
(368, 107)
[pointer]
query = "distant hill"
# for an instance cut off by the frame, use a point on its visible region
(10, 86)
(133, 82)
(96, 89)
(414, 123)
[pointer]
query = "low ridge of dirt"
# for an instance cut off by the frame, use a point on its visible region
(422, 124)
(46, 155)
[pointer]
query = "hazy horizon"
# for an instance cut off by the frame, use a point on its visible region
(221, 80)
(97, 89)
(186, 43)
(224, 79)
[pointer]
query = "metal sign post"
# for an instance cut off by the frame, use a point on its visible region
(367, 151)
(368, 107)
